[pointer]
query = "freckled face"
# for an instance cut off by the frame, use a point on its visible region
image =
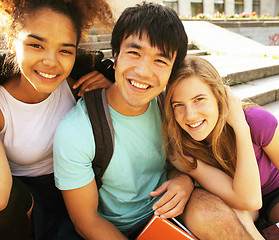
(195, 107)
(45, 49)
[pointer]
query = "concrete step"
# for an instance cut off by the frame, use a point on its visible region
(220, 41)
(192, 46)
(106, 38)
(273, 108)
(100, 37)
(96, 45)
(197, 52)
(105, 47)
(235, 69)
(261, 91)
(107, 53)
(102, 42)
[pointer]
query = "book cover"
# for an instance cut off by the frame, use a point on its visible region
(163, 229)
(272, 233)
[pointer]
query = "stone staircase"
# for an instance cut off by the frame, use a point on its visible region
(102, 42)
(250, 75)
(98, 42)
(250, 68)
(256, 79)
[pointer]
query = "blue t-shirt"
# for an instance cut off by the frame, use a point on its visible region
(137, 167)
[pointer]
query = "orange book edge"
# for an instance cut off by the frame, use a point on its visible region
(162, 229)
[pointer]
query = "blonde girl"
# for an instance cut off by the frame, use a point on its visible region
(229, 151)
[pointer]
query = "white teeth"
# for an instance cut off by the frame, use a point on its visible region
(196, 124)
(139, 85)
(46, 75)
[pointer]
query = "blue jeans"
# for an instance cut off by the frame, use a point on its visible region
(14, 223)
(51, 220)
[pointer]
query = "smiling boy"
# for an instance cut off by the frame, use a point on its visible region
(149, 43)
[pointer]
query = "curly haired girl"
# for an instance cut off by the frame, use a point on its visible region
(42, 37)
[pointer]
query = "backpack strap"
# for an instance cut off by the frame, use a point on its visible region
(99, 115)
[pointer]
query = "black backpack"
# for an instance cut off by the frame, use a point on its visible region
(99, 115)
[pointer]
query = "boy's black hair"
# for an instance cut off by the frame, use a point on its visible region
(161, 24)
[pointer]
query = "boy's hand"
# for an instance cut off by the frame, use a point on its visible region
(177, 193)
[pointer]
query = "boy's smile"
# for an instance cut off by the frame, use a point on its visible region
(141, 74)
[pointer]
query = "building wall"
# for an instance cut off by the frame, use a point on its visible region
(276, 8)
(268, 36)
(270, 7)
(119, 5)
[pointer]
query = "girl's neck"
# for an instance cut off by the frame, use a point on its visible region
(23, 91)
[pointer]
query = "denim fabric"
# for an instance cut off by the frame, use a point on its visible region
(51, 221)
(14, 223)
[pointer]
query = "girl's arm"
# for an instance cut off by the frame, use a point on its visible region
(5, 173)
(88, 82)
(272, 150)
(246, 183)
(5, 179)
(219, 183)
(90, 72)
(91, 81)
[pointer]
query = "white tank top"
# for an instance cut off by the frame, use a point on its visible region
(29, 130)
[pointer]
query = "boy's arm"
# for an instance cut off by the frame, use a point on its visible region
(73, 150)
(82, 206)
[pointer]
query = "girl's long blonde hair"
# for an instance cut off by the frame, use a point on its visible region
(179, 145)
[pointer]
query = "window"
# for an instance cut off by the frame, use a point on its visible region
(219, 6)
(196, 7)
(172, 4)
(256, 6)
(238, 6)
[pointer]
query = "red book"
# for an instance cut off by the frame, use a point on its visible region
(162, 229)
(272, 233)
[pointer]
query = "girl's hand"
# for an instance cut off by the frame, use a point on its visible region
(236, 115)
(91, 81)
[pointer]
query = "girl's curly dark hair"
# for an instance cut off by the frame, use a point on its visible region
(84, 15)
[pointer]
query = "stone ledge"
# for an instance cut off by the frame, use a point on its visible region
(236, 23)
